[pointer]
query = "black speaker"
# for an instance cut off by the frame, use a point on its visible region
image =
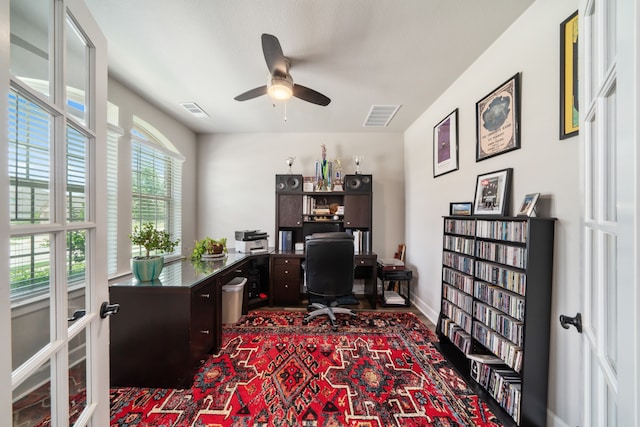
(288, 183)
(358, 183)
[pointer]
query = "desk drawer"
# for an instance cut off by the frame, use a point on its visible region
(286, 273)
(365, 262)
(394, 274)
(284, 261)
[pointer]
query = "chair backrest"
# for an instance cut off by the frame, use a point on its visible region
(329, 264)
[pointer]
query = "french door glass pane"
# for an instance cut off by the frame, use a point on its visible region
(32, 400)
(590, 50)
(30, 269)
(76, 258)
(591, 279)
(610, 148)
(611, 287)
(76, 175)
(596, 392)
(30, 32)
(77, 377)
(77, 72)
(611, 49)
(593, 171)
(29, 157)
(612, 408)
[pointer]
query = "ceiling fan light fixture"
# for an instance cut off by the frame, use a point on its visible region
(280, 88)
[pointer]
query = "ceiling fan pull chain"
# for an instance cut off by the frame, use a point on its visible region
(285, 111)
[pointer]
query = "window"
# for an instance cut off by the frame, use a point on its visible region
(113, 136)
(156, 184)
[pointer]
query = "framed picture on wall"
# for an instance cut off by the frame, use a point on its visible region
(445, 145)
(569, 117)
(498, 120)
(493, 191)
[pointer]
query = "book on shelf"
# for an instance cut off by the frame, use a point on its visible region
(391, 264)
(286, 240)
(392, 297)
(361, 240)
(488, 359)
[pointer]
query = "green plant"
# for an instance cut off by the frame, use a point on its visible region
(152, 239)
(207, 246)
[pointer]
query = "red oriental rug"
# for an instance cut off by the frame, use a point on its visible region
(379, 369)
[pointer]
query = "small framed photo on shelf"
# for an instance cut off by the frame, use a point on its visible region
(498, 120)
(445, 145)
(528, 205)
(493, 191)
(460, 208)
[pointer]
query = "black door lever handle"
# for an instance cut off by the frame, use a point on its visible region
(76, 315)
(567, 321)
(108, 309)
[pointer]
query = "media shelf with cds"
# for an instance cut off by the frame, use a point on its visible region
(495, 310)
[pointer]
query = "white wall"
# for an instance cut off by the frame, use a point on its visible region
(544, 164)
(183, 138)
(236, 179)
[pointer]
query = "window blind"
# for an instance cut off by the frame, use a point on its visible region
(156, 187)
(113, 137)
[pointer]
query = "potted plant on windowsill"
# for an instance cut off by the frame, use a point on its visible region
(209, 248)
(148, 267)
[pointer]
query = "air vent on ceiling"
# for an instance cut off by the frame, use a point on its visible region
(194, 109)
(380, 115)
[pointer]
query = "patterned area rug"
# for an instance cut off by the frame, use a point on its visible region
(379, 369)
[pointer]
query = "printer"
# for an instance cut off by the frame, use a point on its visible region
(251, 241)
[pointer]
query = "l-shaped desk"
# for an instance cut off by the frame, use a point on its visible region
(166, 327)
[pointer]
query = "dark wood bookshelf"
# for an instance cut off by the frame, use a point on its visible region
(496, 301)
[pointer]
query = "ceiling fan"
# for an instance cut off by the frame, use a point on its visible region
(280, 85)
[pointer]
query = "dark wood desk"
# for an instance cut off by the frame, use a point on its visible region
(287, 277)
(165, 328)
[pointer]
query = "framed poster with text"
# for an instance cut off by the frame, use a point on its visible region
(498, 120)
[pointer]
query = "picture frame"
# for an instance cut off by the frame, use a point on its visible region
(493, 191)
(498, 120)
(569, 99)
(460, 208)
(445, 145)
(528, 205)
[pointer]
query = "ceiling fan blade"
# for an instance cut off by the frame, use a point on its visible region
(253, 93)
(276, 62)
(310, 95)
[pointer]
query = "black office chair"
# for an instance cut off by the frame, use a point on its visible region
(329, 268)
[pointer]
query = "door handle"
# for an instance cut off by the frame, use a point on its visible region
(567, 321)
(76, 315)
(107, 309)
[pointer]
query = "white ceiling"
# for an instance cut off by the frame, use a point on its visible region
(356, 52)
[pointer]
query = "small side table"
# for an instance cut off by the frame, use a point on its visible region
(398, 280)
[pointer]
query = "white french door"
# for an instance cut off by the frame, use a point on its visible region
(54, 71)
(609, 108)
